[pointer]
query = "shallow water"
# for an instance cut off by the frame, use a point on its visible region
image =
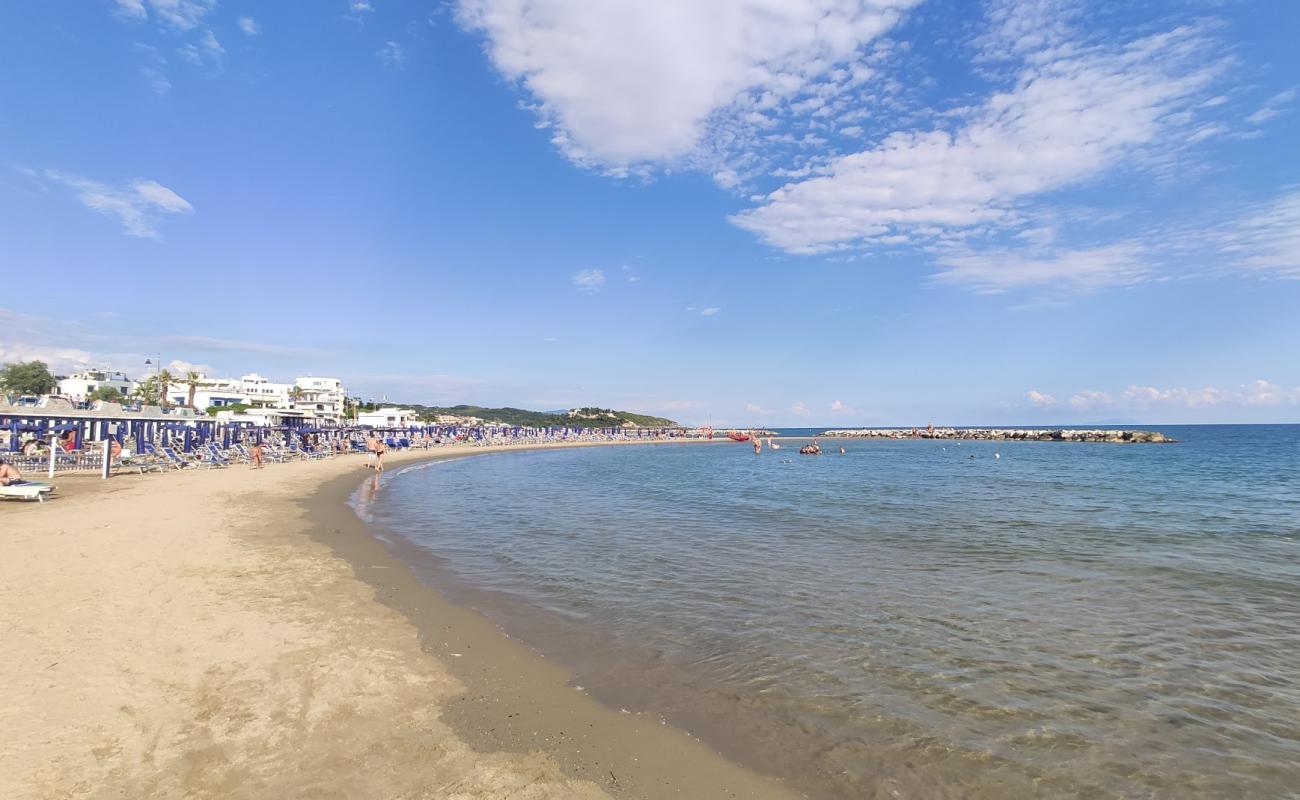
(905, 620)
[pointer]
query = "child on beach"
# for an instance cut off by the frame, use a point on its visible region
(256, 452)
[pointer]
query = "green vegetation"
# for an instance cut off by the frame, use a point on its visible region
(238, 408)
(579, 418)
(26, 377)
(109, 394)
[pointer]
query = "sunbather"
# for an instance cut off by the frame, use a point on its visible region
(9, 475)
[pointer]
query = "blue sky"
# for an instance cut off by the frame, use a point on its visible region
(741, 212)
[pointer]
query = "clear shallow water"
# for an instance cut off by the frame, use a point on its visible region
(906, 621)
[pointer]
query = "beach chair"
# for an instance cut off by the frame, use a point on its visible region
(176, 459)
(216, 458)
(156, 459)
(26, 490)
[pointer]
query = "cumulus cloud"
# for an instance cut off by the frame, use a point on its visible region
(755, 408)
(1088, 399)
(799, 409)
(625, 83)
(589, 281)
(838, 407)
(1040, 398)
(1136, 398)
(249, 26)
(138, 206)
(1072, 115)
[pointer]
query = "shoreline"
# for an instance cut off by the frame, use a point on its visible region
(517, 700)
(242, 633)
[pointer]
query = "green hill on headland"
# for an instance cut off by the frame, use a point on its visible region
(575, 418)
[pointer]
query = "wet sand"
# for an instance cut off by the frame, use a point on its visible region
(239, 633)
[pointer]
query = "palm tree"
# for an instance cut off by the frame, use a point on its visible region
(165, 380)
(295, 393)
(193, 380)
(146, 391)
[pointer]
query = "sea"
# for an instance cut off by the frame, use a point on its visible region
(911, 618)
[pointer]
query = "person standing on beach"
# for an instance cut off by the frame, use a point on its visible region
(256, 452)
(370, 449)
(380, 447)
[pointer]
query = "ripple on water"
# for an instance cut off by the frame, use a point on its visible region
(1103, 621)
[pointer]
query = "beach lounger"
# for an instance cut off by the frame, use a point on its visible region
(176, 459)
(156, 459)
(26, 490)
(215, 458)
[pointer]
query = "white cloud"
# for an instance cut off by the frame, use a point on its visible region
(179, 367)
(1073, 114)
(1275, 106)
(708, 312)
(625, 83)
(181, 15)
(154, 69)
(1265, 238)
(1020, 27)
(60, 360)
(1137, 399)
(1088, 399)
(209, 343)
(755, 408)
(589, 281)
(208, 51)
(392, 55)
(133, 9)
(360, 7)
(1060, 269)
(136, 206)
(799, 409)
(249, 26)
(838, 407)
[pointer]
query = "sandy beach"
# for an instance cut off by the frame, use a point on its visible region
(239, 634)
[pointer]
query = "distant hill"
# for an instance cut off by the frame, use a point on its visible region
(575, 418)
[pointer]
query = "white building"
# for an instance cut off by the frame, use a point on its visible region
(315, 398)
(82, 384)
(321, 395)
(388, 417)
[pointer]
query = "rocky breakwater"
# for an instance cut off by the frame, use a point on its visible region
(1008, 434)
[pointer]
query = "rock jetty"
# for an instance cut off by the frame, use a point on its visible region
(1007, 434)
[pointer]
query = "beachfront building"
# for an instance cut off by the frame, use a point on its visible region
(314, 399)
(81, 385)
(389, 417)
(324, 396)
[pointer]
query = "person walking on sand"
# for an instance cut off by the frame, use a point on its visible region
(380, 447)
(370, 449)
(256, 452)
